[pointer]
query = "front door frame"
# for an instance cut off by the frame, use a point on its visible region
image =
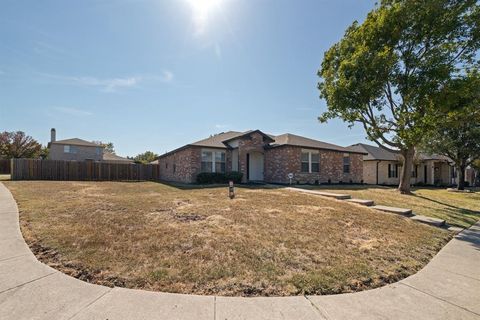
(261, 166)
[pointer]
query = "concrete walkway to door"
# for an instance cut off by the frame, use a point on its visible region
(447, 288)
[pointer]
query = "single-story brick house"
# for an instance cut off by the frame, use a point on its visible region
(383, 167)
(263, 157)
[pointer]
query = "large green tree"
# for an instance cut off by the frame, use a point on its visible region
(17, 144)
(457, 131)
(387, 72)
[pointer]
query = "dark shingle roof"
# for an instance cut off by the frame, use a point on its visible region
(294, 140)
(76, 142)
(374, 153)
(216, 141)
(377, 153)
(107, 156)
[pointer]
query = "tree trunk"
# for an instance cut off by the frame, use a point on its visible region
(408, 154)
(461, 177)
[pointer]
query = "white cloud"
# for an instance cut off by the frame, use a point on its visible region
(221, 126)
(73, 111)
(108, 85)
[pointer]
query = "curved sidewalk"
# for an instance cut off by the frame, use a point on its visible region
(447, 288)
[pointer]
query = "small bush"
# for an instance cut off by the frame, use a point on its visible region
(215, 177)
(234, 176)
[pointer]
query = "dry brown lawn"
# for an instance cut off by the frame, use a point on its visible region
(264, 242)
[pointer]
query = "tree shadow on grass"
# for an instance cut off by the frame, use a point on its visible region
(460, 214)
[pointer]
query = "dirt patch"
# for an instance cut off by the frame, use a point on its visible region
(74, 269)
(188, 217)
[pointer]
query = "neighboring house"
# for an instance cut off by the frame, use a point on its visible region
(80, 150)
(471, 176)
(383, 167)
(113, 158)
(263, 157)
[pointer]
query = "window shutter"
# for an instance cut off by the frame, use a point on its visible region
(389, 170)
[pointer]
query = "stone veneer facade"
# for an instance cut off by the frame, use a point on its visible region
(184, 165)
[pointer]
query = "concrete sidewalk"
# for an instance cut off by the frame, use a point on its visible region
(447, 288)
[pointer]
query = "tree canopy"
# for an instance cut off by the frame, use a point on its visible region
(107, 146)
(17, 144)
(146, 157)
(457, 133)
(388, 72)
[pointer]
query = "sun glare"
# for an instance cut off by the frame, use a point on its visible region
(202, 10)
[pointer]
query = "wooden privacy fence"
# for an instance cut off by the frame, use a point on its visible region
(33, 169)
(4, 166)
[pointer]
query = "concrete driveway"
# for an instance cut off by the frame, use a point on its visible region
(447, 288)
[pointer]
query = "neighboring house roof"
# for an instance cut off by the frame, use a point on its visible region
(155, 162)
(299, 141)
(438, 157)
(374, 153)
(377, 153)
(220, 141)
(76, 142)
(107, 156)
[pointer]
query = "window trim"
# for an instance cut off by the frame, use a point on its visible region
(70, 149)
(214, 161)
(346, 165)
(310, 162)
(392, 170)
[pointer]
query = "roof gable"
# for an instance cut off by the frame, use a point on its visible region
(76, 142)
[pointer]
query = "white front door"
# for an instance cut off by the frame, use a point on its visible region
(255, 167)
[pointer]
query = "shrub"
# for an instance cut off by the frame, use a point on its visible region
(234, 176)
(214, 177)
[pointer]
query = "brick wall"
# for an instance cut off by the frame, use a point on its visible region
(186, 163)
(281, 161)
(252, 143)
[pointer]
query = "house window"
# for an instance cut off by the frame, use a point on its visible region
(310, 161)
(454, 172)
(220, 162)
(346, 163)
(69, 149)
(98, 150)
(392, 170)
(315, 162)
(213, 161)
(415, 172)
(174, 168)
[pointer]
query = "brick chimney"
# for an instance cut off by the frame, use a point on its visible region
(53, 135)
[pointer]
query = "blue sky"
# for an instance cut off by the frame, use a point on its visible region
(157, 74)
